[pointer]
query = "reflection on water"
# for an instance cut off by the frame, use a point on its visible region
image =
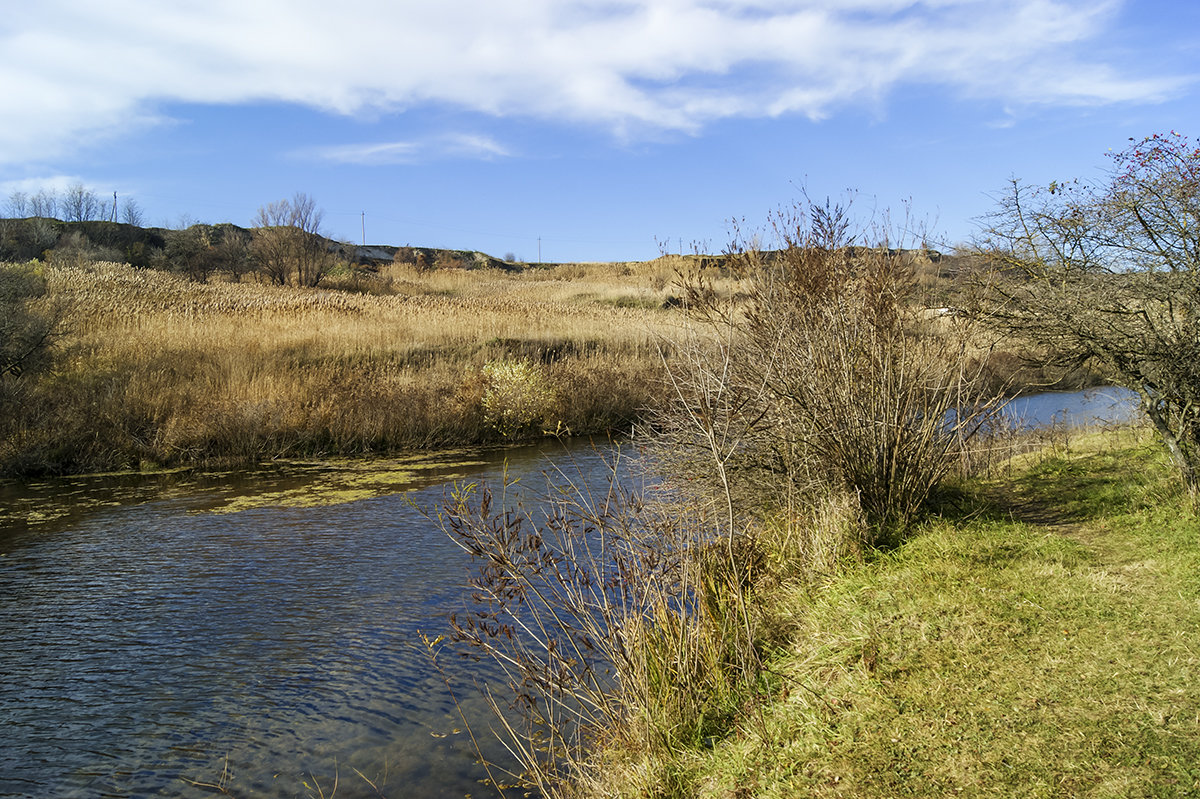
(158, 628)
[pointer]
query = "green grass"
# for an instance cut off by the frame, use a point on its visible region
(990, 656)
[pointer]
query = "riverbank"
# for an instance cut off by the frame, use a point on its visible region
(1038, 639)
(151, 369)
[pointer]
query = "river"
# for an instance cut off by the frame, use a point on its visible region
(1102, 405)
(261, 631)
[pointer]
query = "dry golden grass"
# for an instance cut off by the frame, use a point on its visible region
(639, 284)
(156, 368)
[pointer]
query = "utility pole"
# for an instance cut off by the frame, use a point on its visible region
(364, 227)
(539, 249)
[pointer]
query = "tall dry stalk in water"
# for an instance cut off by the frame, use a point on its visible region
(611, 618)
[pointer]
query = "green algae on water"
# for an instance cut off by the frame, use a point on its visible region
(349, 480)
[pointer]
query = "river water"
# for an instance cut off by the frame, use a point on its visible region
(260, 632)
(1103, 405)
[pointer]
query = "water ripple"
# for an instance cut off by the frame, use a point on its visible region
(148, 641)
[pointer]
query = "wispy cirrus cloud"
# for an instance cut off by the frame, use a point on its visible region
(74, 72)
(457, 145)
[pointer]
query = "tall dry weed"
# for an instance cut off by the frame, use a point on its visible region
(622, 624)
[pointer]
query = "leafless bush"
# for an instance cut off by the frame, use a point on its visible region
(75, 248)
(448, 260)
(823, 374)
(405, 255)
(617, 619)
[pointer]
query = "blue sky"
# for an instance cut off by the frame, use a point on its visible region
(606, 129)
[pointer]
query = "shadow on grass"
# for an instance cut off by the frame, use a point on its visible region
(1060, 489)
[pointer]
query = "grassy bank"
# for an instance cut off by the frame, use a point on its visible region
(154, 369)
(1039, 640)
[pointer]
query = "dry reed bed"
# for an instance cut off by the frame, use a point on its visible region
(116, 307)
(155, 368)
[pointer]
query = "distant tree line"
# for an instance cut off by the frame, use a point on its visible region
(286, 246)
(77, 204)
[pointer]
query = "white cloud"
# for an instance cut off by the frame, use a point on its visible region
(51, 184)
(73, 72)
(406, 152)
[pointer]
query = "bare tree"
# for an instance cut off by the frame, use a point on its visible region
(18, 204)
(288, 243)
(1109, 273)
(233, 251)
(131, 213)
(80, 204)
(44, 204)
(193, 251)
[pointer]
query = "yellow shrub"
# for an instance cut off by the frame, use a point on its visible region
(518, 398)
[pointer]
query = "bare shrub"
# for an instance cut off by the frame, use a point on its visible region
(628, 622)
(823, 374)
(77, 249)
(25, 239)
(615, 620)
(405, 255)
(447, 260)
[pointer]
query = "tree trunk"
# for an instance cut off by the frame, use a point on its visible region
(1187, 468)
